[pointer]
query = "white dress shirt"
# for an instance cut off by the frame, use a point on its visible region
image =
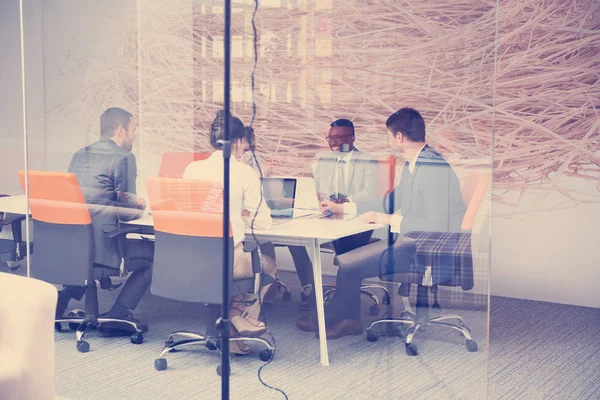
(350, 207)
(396, 219)
(245, 191)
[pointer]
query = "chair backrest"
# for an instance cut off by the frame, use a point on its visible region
(188, 226)
(173, 164)
(386, 175)
(473, 192)
(64, 243)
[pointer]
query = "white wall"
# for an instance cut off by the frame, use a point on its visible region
(547, 248)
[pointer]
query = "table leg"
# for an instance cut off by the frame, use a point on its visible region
(318, 279)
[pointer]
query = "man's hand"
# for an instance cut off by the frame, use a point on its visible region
(329, 207)
(373, 217)
(141, 202)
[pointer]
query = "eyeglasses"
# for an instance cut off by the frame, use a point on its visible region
(336, 138)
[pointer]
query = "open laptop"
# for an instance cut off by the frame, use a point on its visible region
(280, 194)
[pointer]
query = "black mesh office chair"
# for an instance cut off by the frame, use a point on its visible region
(13, 251)
(386, 178)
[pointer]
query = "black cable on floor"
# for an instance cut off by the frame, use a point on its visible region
(255, 51)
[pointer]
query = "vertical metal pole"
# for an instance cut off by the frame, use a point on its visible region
(226, 155)
(25, 152)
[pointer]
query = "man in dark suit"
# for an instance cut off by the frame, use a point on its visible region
(106, 171)
(428, 198)
(346, 182)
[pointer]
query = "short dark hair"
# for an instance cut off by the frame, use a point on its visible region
(250, 138)
(409, 123)
(217, 129)
(343, 122)
(111, 119)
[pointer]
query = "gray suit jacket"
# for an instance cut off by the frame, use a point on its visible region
(107, 175)
(430, 198)
(362, 178)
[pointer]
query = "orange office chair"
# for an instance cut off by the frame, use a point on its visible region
(64, 247)
(173, 164)
(451, 252)
(188, 252)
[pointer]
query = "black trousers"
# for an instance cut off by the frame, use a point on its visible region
(138, 260)
(346, 301)
(304, 266)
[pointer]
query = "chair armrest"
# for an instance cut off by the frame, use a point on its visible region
(249, 247)
(12, 218)
(253, 248)
(145, 230)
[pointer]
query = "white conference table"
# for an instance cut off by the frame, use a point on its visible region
(303, 231)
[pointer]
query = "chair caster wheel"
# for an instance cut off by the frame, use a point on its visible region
(374, 309)
(137, 338)
(83, 346)
(411, 349)
(57, 327)
(287, 296)
(211, 345)
(386, 299)
(372, 337)
(220, 370)
(73, 326)
(265, 355)
(160, 364)
(472, 346)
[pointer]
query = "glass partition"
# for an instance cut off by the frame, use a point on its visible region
(327, 102)
(12, 227)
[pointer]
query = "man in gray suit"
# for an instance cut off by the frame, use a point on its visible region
(428, 198)
(346, 183)
(106, 171)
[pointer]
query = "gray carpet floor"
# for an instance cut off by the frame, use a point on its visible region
(536, 351)
(114, 368)
(543, 350)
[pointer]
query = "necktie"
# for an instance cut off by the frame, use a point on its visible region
(341, 181)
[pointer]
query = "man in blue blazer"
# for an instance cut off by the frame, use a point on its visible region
(428, 198)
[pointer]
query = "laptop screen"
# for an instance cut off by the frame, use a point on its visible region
(279, 194)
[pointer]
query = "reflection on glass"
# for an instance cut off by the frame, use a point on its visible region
(412, 184)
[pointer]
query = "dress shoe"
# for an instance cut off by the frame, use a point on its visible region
(64, 296)
(308, 323)
(343, 328)
(121, 328)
